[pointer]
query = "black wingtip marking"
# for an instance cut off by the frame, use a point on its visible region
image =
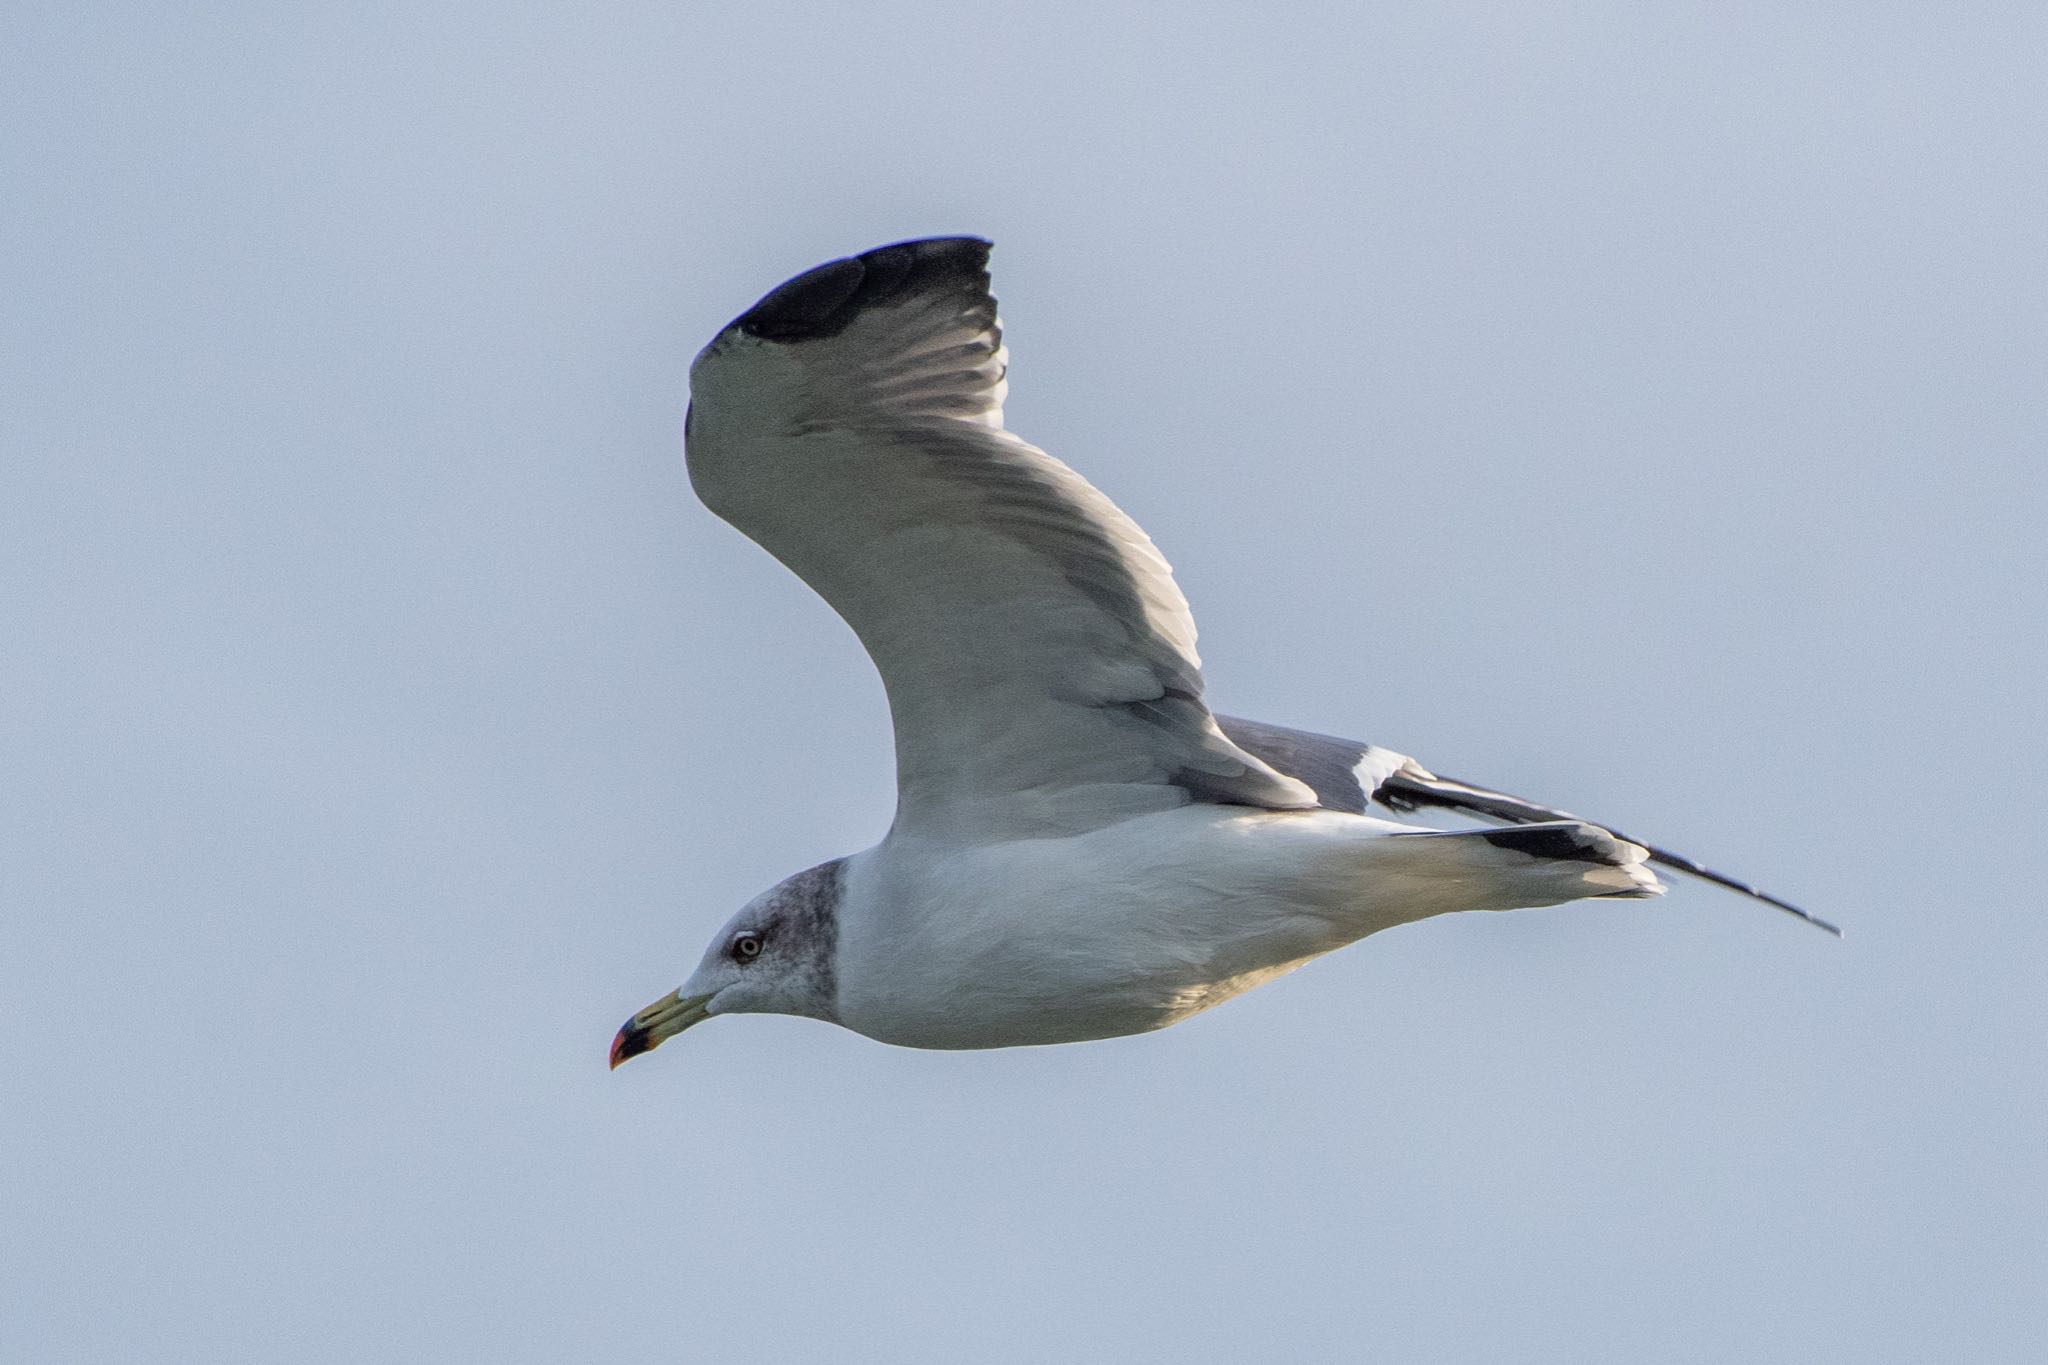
(1403, 792)
(1683, 864)
(822, 301)
(1571, 842)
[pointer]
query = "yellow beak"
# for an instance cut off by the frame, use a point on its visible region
(658, 1023)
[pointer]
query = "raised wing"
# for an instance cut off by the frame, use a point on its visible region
(1039, 660)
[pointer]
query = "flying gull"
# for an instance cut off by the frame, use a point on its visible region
(1081, 848)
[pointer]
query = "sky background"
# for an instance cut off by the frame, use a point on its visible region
(1637, 408)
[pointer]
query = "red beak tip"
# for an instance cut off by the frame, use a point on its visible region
(630, 1043)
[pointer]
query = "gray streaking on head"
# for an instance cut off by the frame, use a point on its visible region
(1081, 848)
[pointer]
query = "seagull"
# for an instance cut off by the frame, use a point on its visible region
(1081, 849)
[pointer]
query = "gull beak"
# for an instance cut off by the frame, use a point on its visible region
(658, 1023)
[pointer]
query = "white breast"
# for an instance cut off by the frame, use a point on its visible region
(1118, 930)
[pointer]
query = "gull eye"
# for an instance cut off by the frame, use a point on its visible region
(746, 946)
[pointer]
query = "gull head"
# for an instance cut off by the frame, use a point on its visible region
(778, 955)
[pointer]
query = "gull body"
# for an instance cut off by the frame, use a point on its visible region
(1133, 927)
(1081, 848)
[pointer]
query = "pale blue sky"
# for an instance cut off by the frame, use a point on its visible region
(1639, 408)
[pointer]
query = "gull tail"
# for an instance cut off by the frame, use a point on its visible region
(1547, 863)
(1412, 787)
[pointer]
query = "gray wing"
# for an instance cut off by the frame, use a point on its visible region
(1346, 775)
(1039, 659)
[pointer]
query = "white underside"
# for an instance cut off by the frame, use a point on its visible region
(1141, 924)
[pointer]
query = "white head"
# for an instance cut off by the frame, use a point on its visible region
(778, 955)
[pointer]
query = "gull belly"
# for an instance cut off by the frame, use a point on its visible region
(1119, 930)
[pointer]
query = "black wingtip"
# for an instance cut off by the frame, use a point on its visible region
(1573, 843)
(821, 302)
(1666, 858)
(1404, 791)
